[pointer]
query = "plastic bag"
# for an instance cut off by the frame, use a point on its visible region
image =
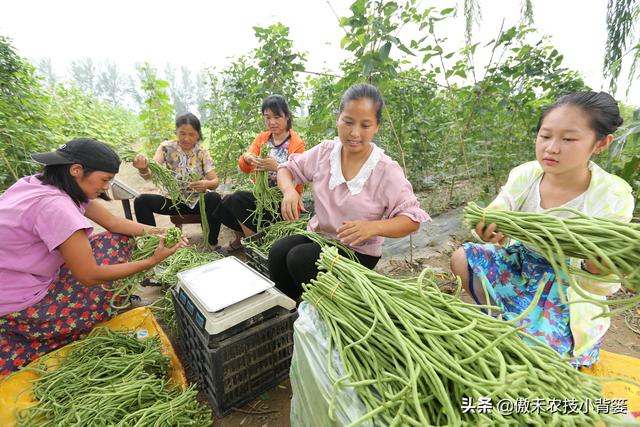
(312, 383)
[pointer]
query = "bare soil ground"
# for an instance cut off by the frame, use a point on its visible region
(271, 409)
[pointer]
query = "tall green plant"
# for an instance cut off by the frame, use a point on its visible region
(157, 113)
(24, 125)
(621, 16)
(236, 93)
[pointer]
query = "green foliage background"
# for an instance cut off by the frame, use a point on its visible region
(449, 123)
(35, 117)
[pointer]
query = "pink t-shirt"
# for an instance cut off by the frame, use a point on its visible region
(379, 190)
(34, 220)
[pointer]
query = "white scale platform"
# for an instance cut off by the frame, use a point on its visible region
(227, 292)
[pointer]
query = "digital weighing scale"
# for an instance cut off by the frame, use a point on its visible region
(228, 295)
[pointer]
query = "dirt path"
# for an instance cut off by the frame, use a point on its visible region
(432, 247)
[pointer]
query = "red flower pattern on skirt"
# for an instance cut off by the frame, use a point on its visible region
(68, 311)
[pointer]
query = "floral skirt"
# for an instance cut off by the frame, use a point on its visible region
(511, 276)
(68, 311)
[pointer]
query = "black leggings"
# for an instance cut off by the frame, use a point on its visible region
(145, 205)
(292, 262)
(237, 208)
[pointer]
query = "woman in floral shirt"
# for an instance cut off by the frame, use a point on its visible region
(187, 158)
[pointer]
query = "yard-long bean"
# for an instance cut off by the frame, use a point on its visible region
(145, 247)
(408, 351)
(111, 378)
(163, 178)
(612, 246)
(268, 198)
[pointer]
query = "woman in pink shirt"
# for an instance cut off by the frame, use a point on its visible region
(360, 194)
(52, 270)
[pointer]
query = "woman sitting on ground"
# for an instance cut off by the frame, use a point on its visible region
(55, 276)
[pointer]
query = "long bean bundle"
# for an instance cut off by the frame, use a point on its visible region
(163, 178)
(268, 198)
(203, 220)
(282, 229)
(275, 232)
(145, 247)
(325, 241)
(612, 246)
(414, 353)
(111, 378)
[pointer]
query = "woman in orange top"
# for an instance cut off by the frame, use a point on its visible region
(236, 209)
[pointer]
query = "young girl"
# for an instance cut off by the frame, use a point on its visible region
(570, 131)
(360, 194)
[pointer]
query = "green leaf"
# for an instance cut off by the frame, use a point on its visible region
(405, 49)
(384, 51)
(346, 39)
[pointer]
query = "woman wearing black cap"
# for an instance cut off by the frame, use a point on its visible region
(51, 268)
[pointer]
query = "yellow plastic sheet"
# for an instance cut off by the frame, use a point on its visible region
(15, 389)
(617, 365)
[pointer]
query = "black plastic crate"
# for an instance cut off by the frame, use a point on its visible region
(255, 258)
(240, 367)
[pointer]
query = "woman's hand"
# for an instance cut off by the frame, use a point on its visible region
(156, 230)
(489, 235)
(355, 232)
(141, 162)
(291, 205)
(250, 158)
(200, 186)
(268, 164)
(162, 252)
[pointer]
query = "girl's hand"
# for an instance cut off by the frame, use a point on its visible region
(291, 205)
(141, 162)
(199, 186)
(162, 252)
(355, 232)
(489, 235)
(250, 158)
(268, 164)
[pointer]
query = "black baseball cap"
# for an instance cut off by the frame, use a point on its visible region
(88, 152)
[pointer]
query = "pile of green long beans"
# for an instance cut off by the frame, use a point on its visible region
(268, 198)
(162, 177)
(275, 232)
(111, 379)
(413, 352)
(612, 246)
(145, 247)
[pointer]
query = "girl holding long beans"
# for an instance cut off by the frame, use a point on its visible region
(52, 269)
(360, 194)
(569, 133)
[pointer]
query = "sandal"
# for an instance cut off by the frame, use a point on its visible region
(233, 246)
